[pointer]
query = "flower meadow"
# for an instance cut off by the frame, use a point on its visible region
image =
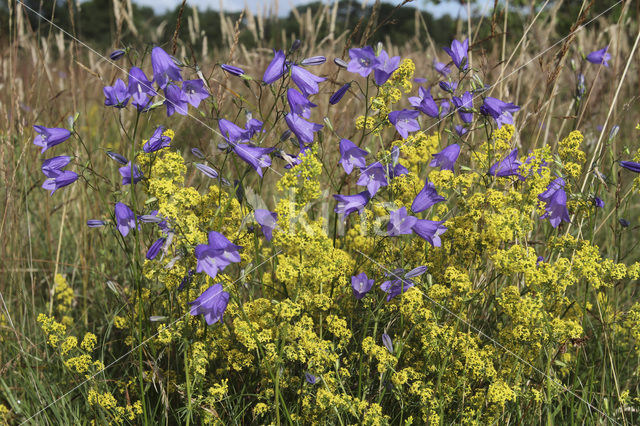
(345, 239)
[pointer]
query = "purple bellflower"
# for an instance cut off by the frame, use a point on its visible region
(54, 165)
(555, 199)
(212, 304)
(157, 141)
(446, 158)
(400, 223)
(217, 255)
(194, 92)
(448, 86)
(299, 104)
(396, 286)
(361, 284)
(426, 198)
(49, 137)
(461, 130)
(117, 95)
(430, 230)
(387, 342)
(310, 378)
(231, 132)
(425, 103)
(630, 165)
(508, 166)
(363, 61)
(373, 177)
(276, 68)
(117, 157)
(303, 129)
(405, 121)
(351, 155)
(155, 248)
(458, 52)
(500, 111)
(348, 204)
(337, 96)
(207, 171)
(306, 81)
(59, 179)
(164, 68)
(443, 69)
(127, 176)
(267, 220)
(598, 202)
(385, 67)
(140, 89)
(312, 61)
(253, 126)
(464, 105)
(257, 157)
(176, 100)
(232, 70)
(599, 57)
(125, 219)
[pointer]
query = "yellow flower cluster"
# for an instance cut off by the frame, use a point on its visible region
(63, 298)
(116, 414)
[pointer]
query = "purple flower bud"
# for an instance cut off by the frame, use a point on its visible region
(232, 70)
(117, 54)
(197, 153)
(630, 165)
(599, 57)
(314, 60)
(95, 223)
(448, 86)
(416, 272)
(310, 378)
(386, 341)
(295, 45)
(155, 248)
(624, 222)
(339, 62)
(598, 202)
(208, 171)
(337, 96)
(117, 157)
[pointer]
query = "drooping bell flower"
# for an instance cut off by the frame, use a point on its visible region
(256, 157)
(461, 130)
(446, 158)
(303, 129)
(426, 198)
(351, 156)
(125, 219)
(373, 177)
(508, 166)
(599, 57)
(216, 255)
(425, 103)
(363, 61)
(400, 223)
(441, 68)
(337, 96)
(555, 199)
(117, 157)
(276, 68)
(448, 86)
(59, 179)
(53, 166)
(396, 287)
(231, 132)
(164, 68)
(212, 304)
(155, 248)
(361, 285)
(299, 104)
(500, 111)
(253, 126)
(194, 92)
(232, 70)
(348, 204)
(128, 176)
(458, 53)
(140, 89)
(267, 221)
(157, 141)
(430, 230)
(176, 100)
(49, 137)
(385, 67)
(598, 202)
(464, 105)
(117, 95)
(405, 121)
(306, 81)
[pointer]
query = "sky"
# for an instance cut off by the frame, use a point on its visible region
(284, 6)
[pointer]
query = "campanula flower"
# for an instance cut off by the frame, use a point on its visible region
(127, 176)
(125, 219)
(232, 70)
(208, 171)
(396, 287)
(306, 81)
(363, 61)
(598, 202)
(155, 248)
(117, 54)
(212, 304)
(430, 230)
(624, 222)
(500, 111)
(231, 132)
(458, 52)
(464, 105)
(448, 86)
(351, 156)
(441, 68)
(276, 68)
(405, 121)
(310, 378)
(117, 157)
(508, 166)
(267, 221)
(176, 100)
(157, 141)
(416, 272)
(303, 129)
(57, 178)
(53, 166)
(400, 223)
(373, 177)
(194, 92)
(253, 126)
(348, 204)
(630, 165)
(140, 89)
(446, 158)
(337, 96)
(312, 61)
(599, 57)
(386, 341)
(257, 157)
(385, 67)
(425, 103)
(461, 130)
(217, 255)
(164, 68)
(49, 137)
(361, 284)
(555, 199)
(426, 198)
(299, 104)
(117, 95)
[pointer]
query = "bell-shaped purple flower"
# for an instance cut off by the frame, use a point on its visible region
(500, 111)
(140, 89)
(49, 137)
(164, 68)
(599, 57)
(253, 126)
(555, 199)
(217, 255)
(194, 92)
(598, 202)
(446, 158)
(458, 52)
(231, 132)
(508, 166)
(426, 198)
(405, 121)
(117, 95)
(385, 67)
(425, 103)
(276, 68)
(361, 284)
(157, 141)
(257, 157)
(53, 166)
(430, 230)
(232, 70)
(441, 68)
(303, 129)
(128, 176)
(306, 81)
(348, 204)
(337, 96)
(400, 223)
(155, 248)
(396, 287)
(351, 156)
(212, 304)
(310, 378)
(363, 61)
(267, 220)
(464, 105)
(461, 130)
(59, 179)
(373, 177)
(125, 219)
(448, 86)
(299, 104)
(176, 100)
